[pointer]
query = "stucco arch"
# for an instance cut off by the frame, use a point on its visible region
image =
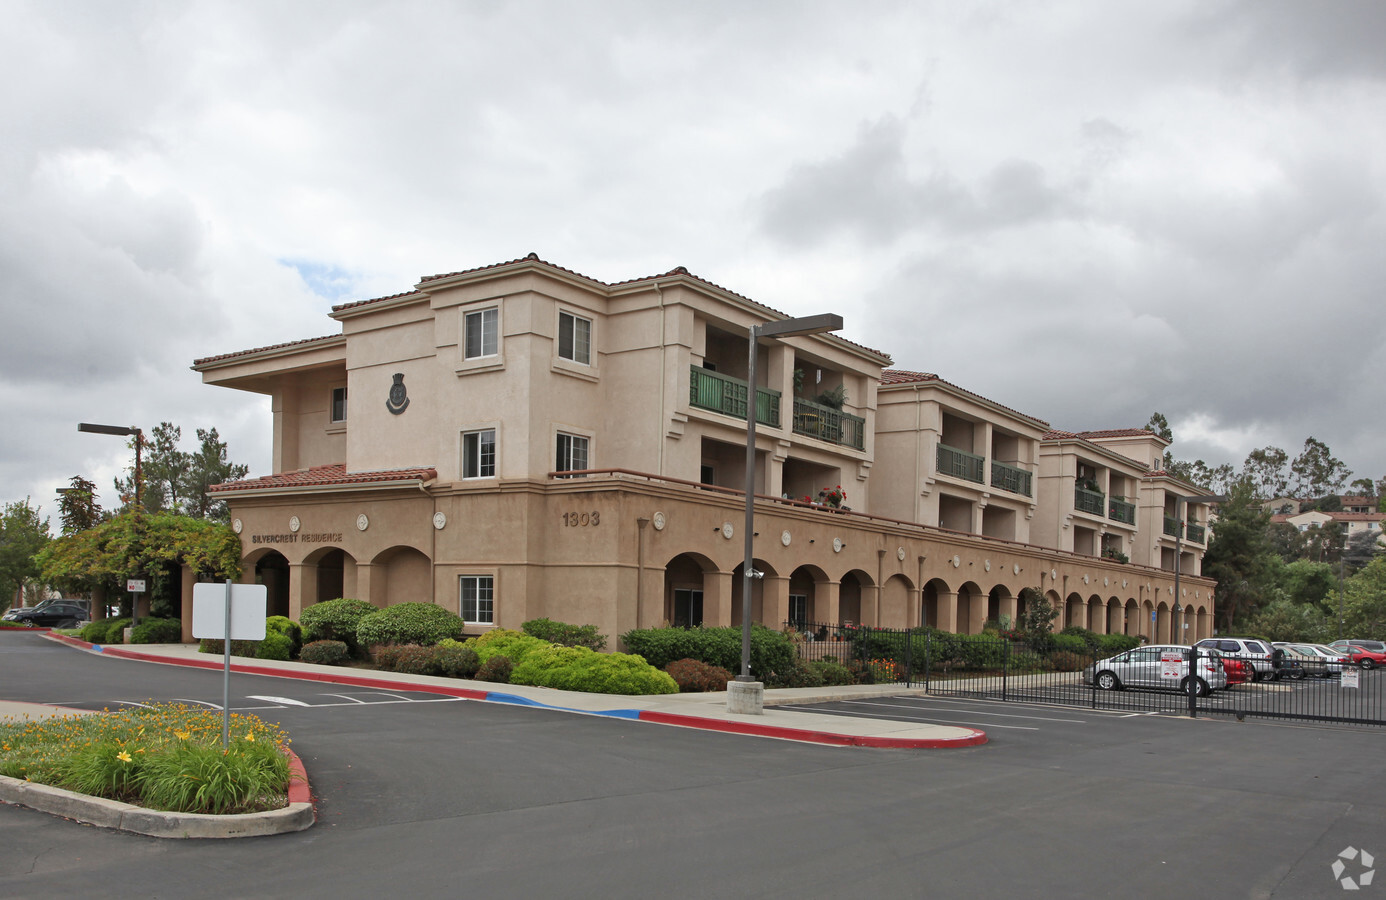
(895, 602)
(400, 574)
(692, 588)
(769, 594)
(972, 608)
(856, 596)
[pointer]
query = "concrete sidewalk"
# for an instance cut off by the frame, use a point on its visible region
(706, 711)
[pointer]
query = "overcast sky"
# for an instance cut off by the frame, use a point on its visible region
(1086, 211)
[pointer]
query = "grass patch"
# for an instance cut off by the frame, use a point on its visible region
(166, 756)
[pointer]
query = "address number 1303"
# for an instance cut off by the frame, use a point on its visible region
(582, 520)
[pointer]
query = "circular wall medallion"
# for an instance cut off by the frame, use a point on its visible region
(362, 523)
(1123, 582)
(1015, 569)
(294, 524)
(900, 553)
(837, 545)
(1085, 579)
(957, 561)
(659, 521)
(1053, 574)
(237, 525)
(728, 530)
(1106, 582)
(987, 565)
(785, 538)
(440, 521)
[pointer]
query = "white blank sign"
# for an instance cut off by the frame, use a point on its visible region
(248, 605)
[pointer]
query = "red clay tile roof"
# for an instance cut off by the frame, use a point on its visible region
(341, 306)
(211, 359)
(325, 476)
(904, 376)
(1117, 432)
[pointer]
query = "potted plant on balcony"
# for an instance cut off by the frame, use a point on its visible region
(833, 497)
(834, 398)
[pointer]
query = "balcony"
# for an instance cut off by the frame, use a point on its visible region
(1171, 526)
(1121, 511)
(827, 424)
(1088, 501)
(1009, 478)
(959, 463)
(727, 395)
(1194, 533)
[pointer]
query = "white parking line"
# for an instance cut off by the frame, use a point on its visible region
(974, 711)
(281, 700)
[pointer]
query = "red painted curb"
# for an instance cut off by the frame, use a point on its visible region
(972, 739)
(299, 790)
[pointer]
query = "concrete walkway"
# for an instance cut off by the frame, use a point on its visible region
(705, 711)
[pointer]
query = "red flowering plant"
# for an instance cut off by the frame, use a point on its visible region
(833, 496)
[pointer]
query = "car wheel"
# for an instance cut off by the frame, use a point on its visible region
(1297, 674)
(1367, 662)
(1201, 687)
(1108, 681)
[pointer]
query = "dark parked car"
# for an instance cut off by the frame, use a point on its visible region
(61, 614)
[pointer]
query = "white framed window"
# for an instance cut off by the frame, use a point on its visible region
(339, 405)
(478, 599)
(575, 338)
(480, 333)
(479, 453)
(572, 453)
(798, 610)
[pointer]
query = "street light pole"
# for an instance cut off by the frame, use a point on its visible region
(745, 694)
(124, 431)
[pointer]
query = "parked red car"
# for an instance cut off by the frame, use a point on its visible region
(1367, 659)
(1239, 671)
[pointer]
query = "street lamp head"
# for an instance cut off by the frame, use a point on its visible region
(120, 430)
(802, 325)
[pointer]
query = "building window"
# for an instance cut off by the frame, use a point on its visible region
(478, 599)
(572, 453)
(339, 404)
(575, 338)
(480, 331)
(798, 610)
(479, 454)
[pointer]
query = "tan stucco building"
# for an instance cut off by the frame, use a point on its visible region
(521, 440)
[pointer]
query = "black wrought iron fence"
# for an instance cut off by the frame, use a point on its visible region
(1117, 673)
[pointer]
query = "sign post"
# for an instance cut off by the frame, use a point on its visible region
(233, 612)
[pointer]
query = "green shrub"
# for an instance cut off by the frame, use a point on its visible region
(275, 646)
(336, 620)
(832, 672)
(386, 655)
(800, 674)
(455, 660)
(290, 629)
(694, 676)
(1068, 661)
(1089, 637)
(497, 669)
(413, 659)
(409, 623)
(1072, 643)
(115, 631)
(771, 651)
(581, 669)
(565, 635)
(94, 632)
(504, 642)
(238, 648)
(1112, 644)
(157, 631)
(325, 653)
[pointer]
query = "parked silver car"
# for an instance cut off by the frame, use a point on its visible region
(1147, 667)
(1318, 659)
(1253, 650)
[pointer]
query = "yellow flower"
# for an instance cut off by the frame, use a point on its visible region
(182, 735)
(250, 736)
(123, 756)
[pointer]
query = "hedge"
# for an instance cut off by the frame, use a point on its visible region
(772, 651)
(409, 623)
(157, 631)
(505, 642)
(565, 635)
(336, 620)
(581, 669)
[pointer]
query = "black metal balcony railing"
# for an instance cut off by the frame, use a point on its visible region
(827, 424)
(1171, 526)
(959, 463)
(724, 394)
(1194, 533)
(1009, 478)
(1088, 501)
(1121, 511)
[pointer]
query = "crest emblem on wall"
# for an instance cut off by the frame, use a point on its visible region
(399, 395)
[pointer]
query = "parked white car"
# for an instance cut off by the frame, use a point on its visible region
(1146, 667)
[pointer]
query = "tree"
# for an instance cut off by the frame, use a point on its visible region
(209, 466)
(1365, 607)
(1239, 555)
(22, 535)
(1214, 480)
(1160, 425)
(1362, 548)
(77, 506)
(1266, 469)
(1364, 487)
(1308, 582)
(1317, 471)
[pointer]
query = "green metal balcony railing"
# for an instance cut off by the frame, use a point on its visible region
(1121, 511)
(827, 424)
(1009, 478)
(724, 394)
(1171, 526)
(1194, 533)
(1087, 501)
(959, 463)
